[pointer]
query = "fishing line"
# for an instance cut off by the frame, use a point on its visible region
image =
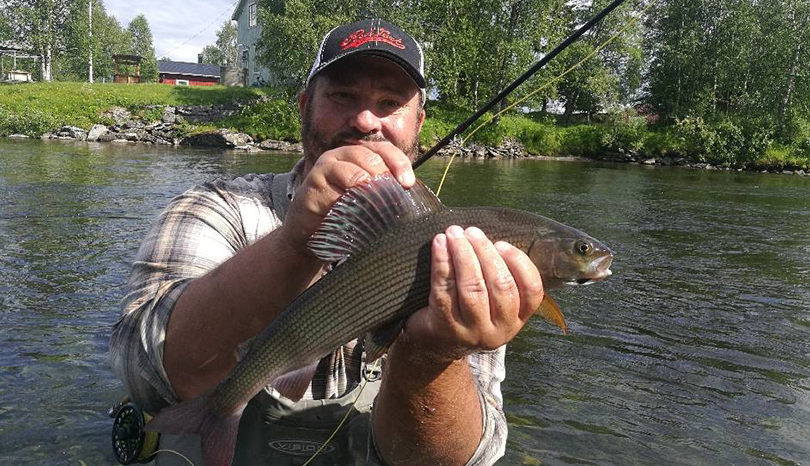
(346, 416)
(545, 85)
(528, 74)
(176, 453)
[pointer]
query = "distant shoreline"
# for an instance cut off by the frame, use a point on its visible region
(269, 145)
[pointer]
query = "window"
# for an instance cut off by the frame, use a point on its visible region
(253, 15)
(245, 58)
(181, 82)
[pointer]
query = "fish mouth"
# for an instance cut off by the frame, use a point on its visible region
(600, 268)
(587, 281)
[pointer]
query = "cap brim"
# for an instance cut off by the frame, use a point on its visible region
(417, 77)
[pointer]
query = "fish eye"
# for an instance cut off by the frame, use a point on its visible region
(583, 247)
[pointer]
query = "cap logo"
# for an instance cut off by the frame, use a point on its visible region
(360, 37)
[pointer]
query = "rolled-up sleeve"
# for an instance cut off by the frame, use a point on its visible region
(489, 370)
(197, 231)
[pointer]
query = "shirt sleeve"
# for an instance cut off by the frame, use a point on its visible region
(198, 230)
(489, 370)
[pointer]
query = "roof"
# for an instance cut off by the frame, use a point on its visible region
(238, 10)
(12, 46)
(190, 69)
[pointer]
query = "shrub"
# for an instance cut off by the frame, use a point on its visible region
(624, 137)
(664, 142)
(726, 142)
(582, 140)
(274, 118)
(33, 122)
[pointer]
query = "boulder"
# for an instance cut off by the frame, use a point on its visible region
(109, 136)
(96, 131)
(269, 144)
(72, 132)
(118, 114)
(18, 136)
(222, 138)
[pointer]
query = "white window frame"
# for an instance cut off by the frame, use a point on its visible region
(181, 82)
(253, 15)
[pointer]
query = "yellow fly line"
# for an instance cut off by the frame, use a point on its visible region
(550, 82)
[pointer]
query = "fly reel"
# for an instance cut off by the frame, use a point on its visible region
(130, 442)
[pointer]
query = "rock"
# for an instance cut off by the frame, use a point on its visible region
(72, 132)
(18, 136)
(109, 136)
(118, 114)
(269, 144)
(649, 162)
(799, 172)
(46, 136)
(787, 172)
(132, 136)
(222, 138)
(206, 113)
(168, 118)
(96, 131)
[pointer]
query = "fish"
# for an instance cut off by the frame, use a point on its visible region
(379, 234)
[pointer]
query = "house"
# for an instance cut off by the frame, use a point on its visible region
(181, 73)
(249, 31)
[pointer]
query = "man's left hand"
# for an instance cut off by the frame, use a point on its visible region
(481, 296)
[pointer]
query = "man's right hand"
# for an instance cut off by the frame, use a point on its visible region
(333, 173)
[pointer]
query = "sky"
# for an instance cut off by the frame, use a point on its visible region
(176, 25)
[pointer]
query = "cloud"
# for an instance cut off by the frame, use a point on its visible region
(176, 25)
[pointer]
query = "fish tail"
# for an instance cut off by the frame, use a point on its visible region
(217, 432)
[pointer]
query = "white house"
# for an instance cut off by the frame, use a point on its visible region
(249, 32)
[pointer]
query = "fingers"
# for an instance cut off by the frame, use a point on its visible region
(527, 279)
(347, 166)
(484, 293)
(473, 296)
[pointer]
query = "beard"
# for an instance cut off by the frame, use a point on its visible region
(316, 142)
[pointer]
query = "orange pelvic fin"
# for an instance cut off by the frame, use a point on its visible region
(550, 310)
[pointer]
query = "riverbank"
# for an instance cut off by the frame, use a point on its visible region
(263, 119)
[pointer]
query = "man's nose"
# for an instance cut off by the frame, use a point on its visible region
(367, 122)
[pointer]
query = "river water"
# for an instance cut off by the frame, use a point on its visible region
(696, 351)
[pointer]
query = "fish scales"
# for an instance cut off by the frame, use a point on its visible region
(360, 295)
(384, 233)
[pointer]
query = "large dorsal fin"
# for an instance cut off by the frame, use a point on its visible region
(366, 211)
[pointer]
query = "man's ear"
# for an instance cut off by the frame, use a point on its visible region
(421, 120)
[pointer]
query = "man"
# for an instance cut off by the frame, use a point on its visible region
(225, 259)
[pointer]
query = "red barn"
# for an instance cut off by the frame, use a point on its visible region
(188, 74)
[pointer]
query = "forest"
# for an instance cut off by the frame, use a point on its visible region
(722, 80)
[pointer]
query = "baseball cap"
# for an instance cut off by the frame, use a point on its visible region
(373, 37)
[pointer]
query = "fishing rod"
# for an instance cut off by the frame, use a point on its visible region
(508, 90)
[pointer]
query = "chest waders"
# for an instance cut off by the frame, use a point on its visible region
(278, 432)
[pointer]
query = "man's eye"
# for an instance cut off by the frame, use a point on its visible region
(391, 103)
(340, 95)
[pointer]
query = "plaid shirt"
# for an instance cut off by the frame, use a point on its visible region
(202, 228)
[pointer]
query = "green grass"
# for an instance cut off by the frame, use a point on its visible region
(37, 108)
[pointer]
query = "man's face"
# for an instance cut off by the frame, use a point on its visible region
(361, 99)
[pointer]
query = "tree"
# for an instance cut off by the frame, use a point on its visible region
(140, 36)
(224, 52)
(41, 25)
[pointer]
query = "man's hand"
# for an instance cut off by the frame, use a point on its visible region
(334, 172)
(481, 296)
